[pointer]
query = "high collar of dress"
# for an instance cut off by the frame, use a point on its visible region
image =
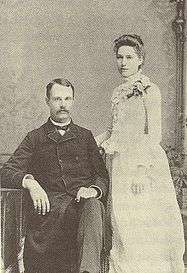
(133, 78)
(129, 82)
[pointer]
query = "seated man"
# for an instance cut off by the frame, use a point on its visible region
(60, 166)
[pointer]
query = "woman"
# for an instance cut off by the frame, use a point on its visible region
(147, 226)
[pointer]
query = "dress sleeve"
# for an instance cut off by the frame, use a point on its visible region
(98, 165)
(110, 143)
(103, 139)
(153, 105)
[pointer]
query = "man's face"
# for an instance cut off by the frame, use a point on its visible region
(60, 102)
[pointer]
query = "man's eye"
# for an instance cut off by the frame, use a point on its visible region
(129, 57)
(68, 98)
(119, 57)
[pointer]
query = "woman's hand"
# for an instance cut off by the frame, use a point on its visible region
(138, 184)
(137, 187)
(101, 138)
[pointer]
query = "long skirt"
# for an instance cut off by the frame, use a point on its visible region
(147, 226)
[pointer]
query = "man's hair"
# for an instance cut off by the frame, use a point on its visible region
(60, 81)
(132, 40)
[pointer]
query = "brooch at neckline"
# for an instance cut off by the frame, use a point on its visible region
(138, 90)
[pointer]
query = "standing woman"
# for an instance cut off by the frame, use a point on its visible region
(147, 226)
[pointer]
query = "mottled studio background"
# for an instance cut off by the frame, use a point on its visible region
(45, 39)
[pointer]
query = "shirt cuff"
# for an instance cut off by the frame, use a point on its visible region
(27, 176)
(99, 191)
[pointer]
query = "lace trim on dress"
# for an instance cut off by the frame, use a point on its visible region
(137, 87)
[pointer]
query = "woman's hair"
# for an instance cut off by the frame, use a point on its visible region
(130, 40)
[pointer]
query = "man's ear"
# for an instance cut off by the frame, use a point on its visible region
(141, 60)
(47, 101)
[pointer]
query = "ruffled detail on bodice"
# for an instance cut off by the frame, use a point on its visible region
(120, 94)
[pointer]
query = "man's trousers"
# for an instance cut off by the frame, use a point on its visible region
(67, 239)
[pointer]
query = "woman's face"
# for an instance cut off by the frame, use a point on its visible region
(128, 61)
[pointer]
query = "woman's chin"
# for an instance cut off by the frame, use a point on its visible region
(125, 73)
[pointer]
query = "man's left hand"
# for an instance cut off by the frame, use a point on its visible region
(86, 193)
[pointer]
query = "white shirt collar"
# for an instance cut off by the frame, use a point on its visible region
(60, 123)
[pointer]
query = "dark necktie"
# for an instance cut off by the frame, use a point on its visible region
(64, 128)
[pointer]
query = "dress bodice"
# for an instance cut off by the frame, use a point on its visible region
(129, 122)
(136, 106)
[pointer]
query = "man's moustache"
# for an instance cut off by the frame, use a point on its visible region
(63, 110)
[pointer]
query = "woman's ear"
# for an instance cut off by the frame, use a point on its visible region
(141, 60)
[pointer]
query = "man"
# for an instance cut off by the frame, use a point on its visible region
(60, 166)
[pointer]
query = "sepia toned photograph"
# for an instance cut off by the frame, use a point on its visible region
(93, 136)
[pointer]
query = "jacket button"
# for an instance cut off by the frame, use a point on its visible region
(60, 161)
(77, 158)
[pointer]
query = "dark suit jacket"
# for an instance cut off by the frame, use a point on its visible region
(59, 163)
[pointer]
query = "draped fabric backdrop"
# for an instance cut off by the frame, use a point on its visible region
(44, 39)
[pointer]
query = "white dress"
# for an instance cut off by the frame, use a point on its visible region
(147, 226)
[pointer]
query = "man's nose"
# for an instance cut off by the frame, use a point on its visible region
(62, 103)
(124, 61)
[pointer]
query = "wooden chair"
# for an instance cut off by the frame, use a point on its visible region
(12, 230)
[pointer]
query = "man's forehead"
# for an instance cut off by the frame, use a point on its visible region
(60, 90)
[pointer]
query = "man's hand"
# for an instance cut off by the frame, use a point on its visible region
(38, 196)
(86, 193)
